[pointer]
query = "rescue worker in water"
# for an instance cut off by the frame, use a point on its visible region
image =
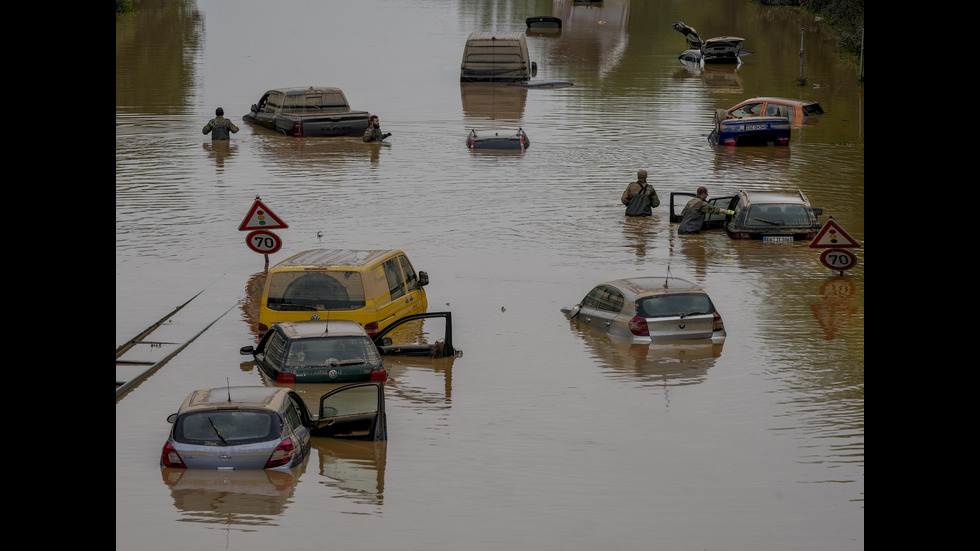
(219, 126)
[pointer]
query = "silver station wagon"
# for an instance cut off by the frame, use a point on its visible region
(648, 309)
(261, 427)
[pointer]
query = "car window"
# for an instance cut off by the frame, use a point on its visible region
(673, 305)
(292, 416)
(275, 350)
(411, 279)
(359, 400)
(227, 427)
(332, 351)
(334, 290)
(393, 274)
(604, 298)
(777, 215)
(813, 109)
(298, 408)
(748, 110)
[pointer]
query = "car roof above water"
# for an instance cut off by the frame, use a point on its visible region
(763, 197)
(242, 397)
(323, 258)
(656, 285)
(322, 328)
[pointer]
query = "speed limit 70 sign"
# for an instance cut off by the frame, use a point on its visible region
(838, 259)
(263, 241)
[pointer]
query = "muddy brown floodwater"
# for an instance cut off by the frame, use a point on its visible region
(543, 435)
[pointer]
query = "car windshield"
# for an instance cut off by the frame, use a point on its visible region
(659, 306)
(777, 215)
(227, 427)
(332, 351)
(334, 290)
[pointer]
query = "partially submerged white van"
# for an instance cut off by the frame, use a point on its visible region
(496, 57)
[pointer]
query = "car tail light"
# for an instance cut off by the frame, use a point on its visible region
(263, 327)
(729, 142)
(282, 455)
(810, 235)
(170, 458)
(741, 235)
(783, 141)
(371, 328)
(716, 323)
(286, 378)
(638, 326)
(298, 129)
(379, 374)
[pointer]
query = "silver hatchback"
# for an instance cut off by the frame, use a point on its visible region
(260, 427)
(648, 309)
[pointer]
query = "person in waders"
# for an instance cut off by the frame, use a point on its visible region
(639, 197)
(692, 217)
(219, 126)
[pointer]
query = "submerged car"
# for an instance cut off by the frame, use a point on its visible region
(763, 215)
(797, 111)
(326, 351)
(647, 309)
(371, 287)
(753, 131)
(260, 427)
(316, 111)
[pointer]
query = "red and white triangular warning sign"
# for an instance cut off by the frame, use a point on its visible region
(259, 217)
(832, 235)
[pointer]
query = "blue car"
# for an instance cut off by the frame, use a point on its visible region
(749, 131)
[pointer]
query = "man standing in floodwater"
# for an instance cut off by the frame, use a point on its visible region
(219, 126)
(373, 131)
(694, 211)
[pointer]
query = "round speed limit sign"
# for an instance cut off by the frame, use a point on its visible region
(263, 241)
(838, 259)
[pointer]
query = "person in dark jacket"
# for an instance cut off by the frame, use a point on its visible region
(637, 187)
(694, 211)
(373, 131)
(219, 126)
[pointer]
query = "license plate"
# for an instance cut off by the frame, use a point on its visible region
(755, 127)
(778, 238)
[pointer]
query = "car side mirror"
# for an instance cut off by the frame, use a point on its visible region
(818, 212)
(247, 350)
(423, 279)
(255, 108)
(386, 341)
(171, 418)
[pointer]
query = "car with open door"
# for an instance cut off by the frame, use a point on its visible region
(714, 221)
(261, 427)
(771, 216)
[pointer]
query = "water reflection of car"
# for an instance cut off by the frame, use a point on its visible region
(649, 309)
(355, 467)
(231, 496)
(246, 427)
(666, 361)
(797, 111)
(332, 351)
(763, 215)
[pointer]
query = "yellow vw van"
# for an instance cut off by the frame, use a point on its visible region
(371, 287)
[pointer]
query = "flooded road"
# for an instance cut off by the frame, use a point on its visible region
(543, 435)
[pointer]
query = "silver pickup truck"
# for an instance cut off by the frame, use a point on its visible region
(316, 111)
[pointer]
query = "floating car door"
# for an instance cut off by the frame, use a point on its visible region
(355, 411)
(600, 307)
(715, 221)
(408, 337)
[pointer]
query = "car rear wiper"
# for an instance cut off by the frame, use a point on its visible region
(354, 361)
(682, 316)
(776, 223)
(293, 306)
(213, 426)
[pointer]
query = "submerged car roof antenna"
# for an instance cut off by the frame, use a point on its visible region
(228, 385)
(667, 277)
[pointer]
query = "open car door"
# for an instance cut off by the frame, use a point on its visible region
(406, 337)
(716, 221)
(711, 221)
(355, 411)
